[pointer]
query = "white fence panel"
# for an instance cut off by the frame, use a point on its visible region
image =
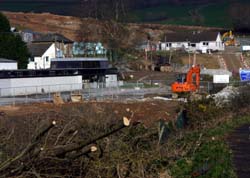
(27, 86)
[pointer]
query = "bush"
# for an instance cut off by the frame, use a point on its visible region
(242, 99)
(202, 111)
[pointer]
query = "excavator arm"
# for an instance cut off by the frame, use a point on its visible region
(194, 70)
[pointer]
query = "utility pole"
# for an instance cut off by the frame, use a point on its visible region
(194, 60)
(189, 59)
(170, 56)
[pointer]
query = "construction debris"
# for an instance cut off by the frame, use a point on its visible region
(57, 99)
(224, 96)
(170, 99)
(76, 97)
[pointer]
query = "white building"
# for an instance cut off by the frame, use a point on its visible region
(46, 47)
(6, 64)
(41, 55)
(193, 41)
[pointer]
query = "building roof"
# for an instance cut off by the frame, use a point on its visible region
(52, 38)
(31, 32)
(191, 36)
(3, 60)
(38, 49)
(79, 59)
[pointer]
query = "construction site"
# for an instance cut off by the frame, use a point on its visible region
(167, 108)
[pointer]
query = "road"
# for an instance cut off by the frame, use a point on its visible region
(231, 55)
(239, 142)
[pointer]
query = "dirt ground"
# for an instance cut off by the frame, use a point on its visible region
(93, 29)
(149, 75)
(147, 112)
(209, 61)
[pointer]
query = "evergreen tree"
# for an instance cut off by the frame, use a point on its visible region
(11, 45)
(4, 23)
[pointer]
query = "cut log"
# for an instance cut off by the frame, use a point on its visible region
(84, 151)
(126, 121)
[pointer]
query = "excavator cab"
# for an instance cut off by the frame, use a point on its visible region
(181, 78)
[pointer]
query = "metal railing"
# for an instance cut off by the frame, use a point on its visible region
(117, 91)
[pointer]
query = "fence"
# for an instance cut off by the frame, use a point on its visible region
(29, 90)
(117, 91)
(32, 94)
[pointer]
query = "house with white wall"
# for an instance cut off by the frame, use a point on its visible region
(46, 47)
(41, 55)
(202, 41)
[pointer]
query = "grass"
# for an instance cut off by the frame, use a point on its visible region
(164, 13)
(210, 155)
(21, 6)
(216, 15)
(213, 15)
(60, 8)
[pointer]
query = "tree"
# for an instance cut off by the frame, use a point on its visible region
(4, 23)
(104, 9)
(11, 45)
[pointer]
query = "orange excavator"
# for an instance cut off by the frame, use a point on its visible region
(187, 84)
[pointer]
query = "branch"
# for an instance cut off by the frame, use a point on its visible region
(34, 141)
(60, 151)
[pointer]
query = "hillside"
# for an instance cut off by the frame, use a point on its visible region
(180, 12)
(204, 13)
(89, 29)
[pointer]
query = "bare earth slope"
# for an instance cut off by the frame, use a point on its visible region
(94, 30)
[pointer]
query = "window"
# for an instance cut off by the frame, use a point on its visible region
(31, 59)
(205, 43)
(170, 44)
(47, 59)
